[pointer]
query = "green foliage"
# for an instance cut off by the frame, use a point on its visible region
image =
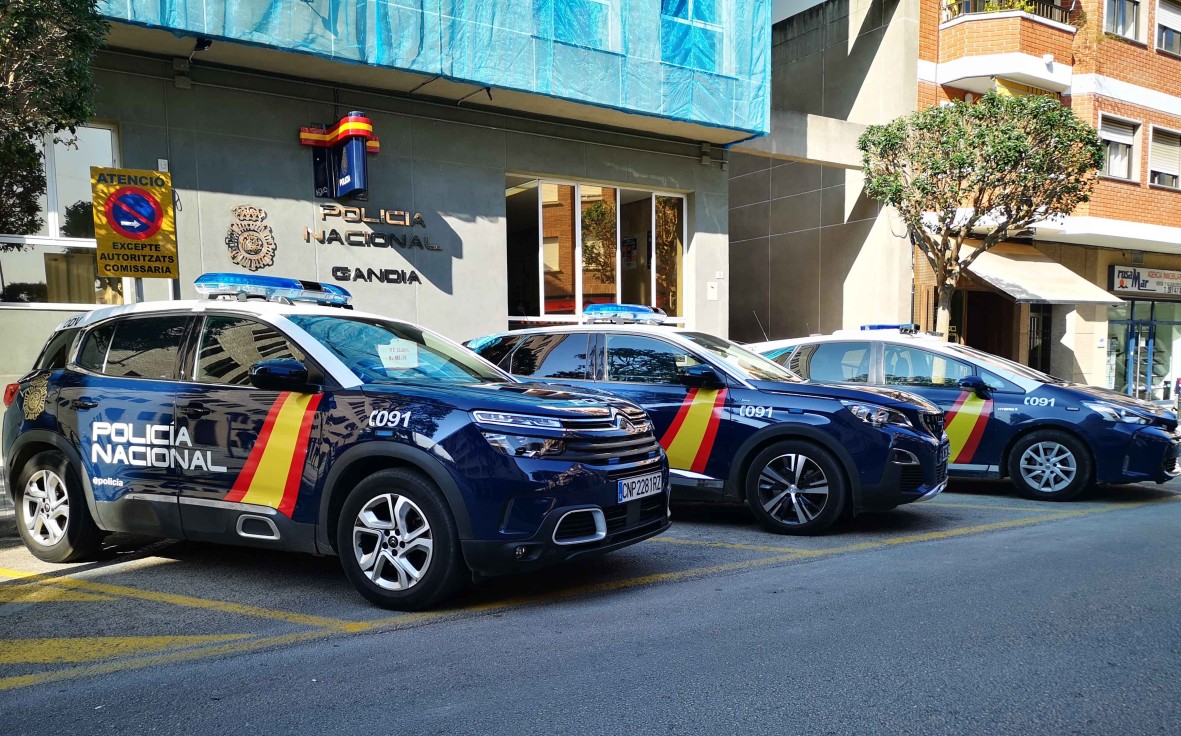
(46, 47)
(984, 171)
(996, 6)
(598, 240)
(79, 220)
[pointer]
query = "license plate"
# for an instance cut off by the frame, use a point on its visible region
(644, 485)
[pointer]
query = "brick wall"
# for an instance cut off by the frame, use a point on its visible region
(1135, 62)
(981, 35)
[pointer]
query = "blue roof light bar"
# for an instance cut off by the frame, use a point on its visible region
(623, 314)
(905, 327)
(242, 286)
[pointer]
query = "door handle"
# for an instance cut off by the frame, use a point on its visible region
(195, 410)
(83, 404)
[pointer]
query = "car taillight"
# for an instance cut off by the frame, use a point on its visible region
(10, 393)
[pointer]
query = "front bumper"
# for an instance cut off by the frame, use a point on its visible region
(917, 471)
(615, 526)
(1147, 454)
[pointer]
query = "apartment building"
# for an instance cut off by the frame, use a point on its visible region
(1095, 297)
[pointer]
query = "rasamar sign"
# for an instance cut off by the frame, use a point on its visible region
(134, 223)
(1142, 280)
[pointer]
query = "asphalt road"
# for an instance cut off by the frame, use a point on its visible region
(976, 613)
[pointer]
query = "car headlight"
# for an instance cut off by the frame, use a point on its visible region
(516, 420)
(878, 416)
(517, 446)
(1113, 413)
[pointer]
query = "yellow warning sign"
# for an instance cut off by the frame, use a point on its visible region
(134, 223)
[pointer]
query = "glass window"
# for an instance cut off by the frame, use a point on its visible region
(71, 178)
(378, 351)
(146, 347)
(909, 366)
(498, 349)
(600, 229)
(670, 217)
(752, 365)
(1168, 26)
(552, 356)
(636, 359)
(63, 274)
(1123, 18)
(832, 362)
(1119, 138)
(93, 355)
(557, 224)
(1164, 160)
(692, 34)
(231, 345)
(57, 351)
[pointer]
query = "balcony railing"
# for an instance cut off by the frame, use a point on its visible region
(1043, 8)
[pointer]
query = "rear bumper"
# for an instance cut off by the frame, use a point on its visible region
(626, 524)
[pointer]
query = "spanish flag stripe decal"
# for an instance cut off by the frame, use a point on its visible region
(966, 423)
(711, 433)
(686, 439)
(295, 472)
(270, 478)
(242, 484)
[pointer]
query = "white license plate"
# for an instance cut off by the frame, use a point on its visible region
(644, 485)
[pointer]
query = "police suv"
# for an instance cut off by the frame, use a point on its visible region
(737, 426)
(1050, 437)
(269, 416)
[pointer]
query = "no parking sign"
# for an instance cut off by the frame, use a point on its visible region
(134, 223)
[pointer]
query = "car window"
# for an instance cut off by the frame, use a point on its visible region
(637, 359)
(93, 355)
(57, 351)
(832, 362)
(909, 366)
(782, 356)
(497, 349)
(552, 356)
(751, 365)
(229, 346)
(146, 347)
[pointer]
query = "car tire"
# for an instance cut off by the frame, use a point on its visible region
(1050, 465)
(52, 516)
(397, 541)
(796, 487)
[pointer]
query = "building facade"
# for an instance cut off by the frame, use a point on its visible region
(1090, 297)
(530, 158)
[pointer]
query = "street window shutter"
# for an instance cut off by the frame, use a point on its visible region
(1168, 14)
(1118, 131)
(1165, 156)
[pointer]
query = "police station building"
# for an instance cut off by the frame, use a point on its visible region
(469, 166)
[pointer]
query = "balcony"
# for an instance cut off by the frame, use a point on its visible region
(1028, 42)
(1041, 8)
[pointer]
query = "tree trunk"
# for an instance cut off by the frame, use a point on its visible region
(943, 311)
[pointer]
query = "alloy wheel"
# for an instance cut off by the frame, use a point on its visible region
(793, 489)
(1048, 467)
(393, 541)
(45, 508)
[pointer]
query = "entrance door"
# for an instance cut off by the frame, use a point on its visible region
(1141, 351)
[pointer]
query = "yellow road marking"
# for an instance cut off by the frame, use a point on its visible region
(38, 593)
(91, 648)
(188, 601)
(411, 620)
(1031, 509)
(733, 545)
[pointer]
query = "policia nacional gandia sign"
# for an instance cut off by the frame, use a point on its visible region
(134, 223)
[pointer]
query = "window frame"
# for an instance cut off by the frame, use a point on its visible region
(116, 322)
(191, 361)
(1133, 150)
(870, 347)
(1139, 25)
(606, 359)
(973, 369)
(53, 225)
(1156, 37)
(725, 65)
(1151, 140)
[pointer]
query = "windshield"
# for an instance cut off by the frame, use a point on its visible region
(998, 363)
(750, 364)
(392, 352)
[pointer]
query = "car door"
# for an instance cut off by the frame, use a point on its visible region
(115, 403)
(248, 447)
(976, 438)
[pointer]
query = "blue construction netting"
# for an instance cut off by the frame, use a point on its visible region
(700, 61)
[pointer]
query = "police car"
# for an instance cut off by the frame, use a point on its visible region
(737, 426)
(1050, 437)
(269, 416)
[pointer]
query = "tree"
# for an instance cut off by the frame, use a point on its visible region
(46, 47)
(979, 171)
(598, 241)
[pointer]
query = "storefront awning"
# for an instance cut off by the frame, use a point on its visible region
(1028, 277)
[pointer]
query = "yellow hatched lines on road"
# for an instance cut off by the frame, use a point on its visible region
(92, 656)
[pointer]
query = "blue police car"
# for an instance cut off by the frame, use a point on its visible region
(737, 426)
(1050, 437)
(269, 416)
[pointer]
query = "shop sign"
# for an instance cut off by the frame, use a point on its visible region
(1141, 280)
(134, 223)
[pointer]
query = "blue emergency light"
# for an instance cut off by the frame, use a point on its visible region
(623, 314)
(242, 286)
(905, 328)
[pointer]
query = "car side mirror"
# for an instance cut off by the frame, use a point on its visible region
(975, 384)
(700, 376)
(280, 374)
